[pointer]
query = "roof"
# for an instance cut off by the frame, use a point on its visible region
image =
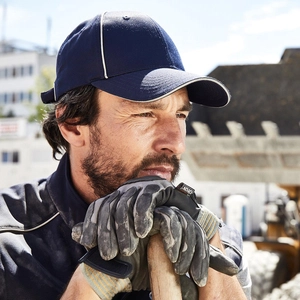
(263, 92)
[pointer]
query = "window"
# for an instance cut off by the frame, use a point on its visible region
(2, 73)
(2, 98)
(10, 157)
(8, 98)
(19, 71)
(21, 97)
(30, 96)
(27, 70)
(9, 72)
(18, 97)
(14, 72)
(6, 72)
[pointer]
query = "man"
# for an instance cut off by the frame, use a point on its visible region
(121, 100)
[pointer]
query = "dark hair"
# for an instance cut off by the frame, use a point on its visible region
(79, 107)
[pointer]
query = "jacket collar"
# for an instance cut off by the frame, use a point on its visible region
(70, 205)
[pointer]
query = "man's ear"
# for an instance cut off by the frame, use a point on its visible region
(73, 134)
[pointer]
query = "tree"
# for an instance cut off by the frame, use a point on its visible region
(43, 83)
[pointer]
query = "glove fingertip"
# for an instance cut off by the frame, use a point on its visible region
(201, 282)
(199, 278)
(127, 252)
(107, 254)
(141, 235)
(143, 231)
(77, 232)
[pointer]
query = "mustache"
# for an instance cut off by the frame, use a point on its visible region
(159, 159)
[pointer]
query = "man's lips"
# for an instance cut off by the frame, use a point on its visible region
(162, 171)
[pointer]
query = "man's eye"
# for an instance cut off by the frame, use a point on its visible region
(181, 116)
(145, 115)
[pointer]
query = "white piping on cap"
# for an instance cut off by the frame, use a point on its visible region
(102, 46)
(54, 92)
(205, 78)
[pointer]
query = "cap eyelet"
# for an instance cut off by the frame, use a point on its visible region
(126, 17)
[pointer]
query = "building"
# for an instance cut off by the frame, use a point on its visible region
(25, 154)
(252, 145)
(20, 66)
(263, 92)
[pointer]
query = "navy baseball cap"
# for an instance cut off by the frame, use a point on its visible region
(129, 55)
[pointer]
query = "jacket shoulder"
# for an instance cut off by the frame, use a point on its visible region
(25, 206)
(232, 241)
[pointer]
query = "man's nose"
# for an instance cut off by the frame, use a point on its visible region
(170, 137)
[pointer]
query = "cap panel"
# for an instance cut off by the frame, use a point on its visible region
(79, 59)
(133, 42)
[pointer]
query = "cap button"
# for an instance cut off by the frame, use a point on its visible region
(126, 17)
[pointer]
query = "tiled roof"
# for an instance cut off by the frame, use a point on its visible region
(264, 92)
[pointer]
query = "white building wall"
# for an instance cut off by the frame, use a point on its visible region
(16, 84)
(212, 194)
(34, 161)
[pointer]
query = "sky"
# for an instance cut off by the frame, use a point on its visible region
(207, 33)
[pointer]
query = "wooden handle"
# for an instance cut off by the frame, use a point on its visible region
(164, 281)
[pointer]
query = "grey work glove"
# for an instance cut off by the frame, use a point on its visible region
(107, 286)
(185, 244)
(180, 236)
(185, 199)
(184, 241)
(117, 221)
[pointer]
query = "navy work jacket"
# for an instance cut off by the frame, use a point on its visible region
(37, 253)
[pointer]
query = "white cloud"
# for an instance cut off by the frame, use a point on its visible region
(287, 21)
(205, 59)
(267, 9)
(274, 17)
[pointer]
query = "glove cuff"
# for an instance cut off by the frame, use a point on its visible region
(105, 286)
(208, 221)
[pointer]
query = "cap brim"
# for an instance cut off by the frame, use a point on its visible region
(151, 85)
(48, 96)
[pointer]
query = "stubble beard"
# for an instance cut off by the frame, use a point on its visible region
(105, 173)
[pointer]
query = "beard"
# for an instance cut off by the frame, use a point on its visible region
(106, 173)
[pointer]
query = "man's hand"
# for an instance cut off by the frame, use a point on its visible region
(185, 244)
(184, 241)
(116, 222)
(180, 235)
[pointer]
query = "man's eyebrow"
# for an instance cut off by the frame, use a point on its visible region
(159, 105)
(187, 107)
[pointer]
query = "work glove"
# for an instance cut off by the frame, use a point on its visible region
(117, 221)
(126, 273)
(121, 274)
(106, 287)
(185, 244)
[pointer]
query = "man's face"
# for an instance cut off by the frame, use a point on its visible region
(135, 139)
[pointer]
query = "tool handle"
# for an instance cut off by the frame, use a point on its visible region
(164, 282)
